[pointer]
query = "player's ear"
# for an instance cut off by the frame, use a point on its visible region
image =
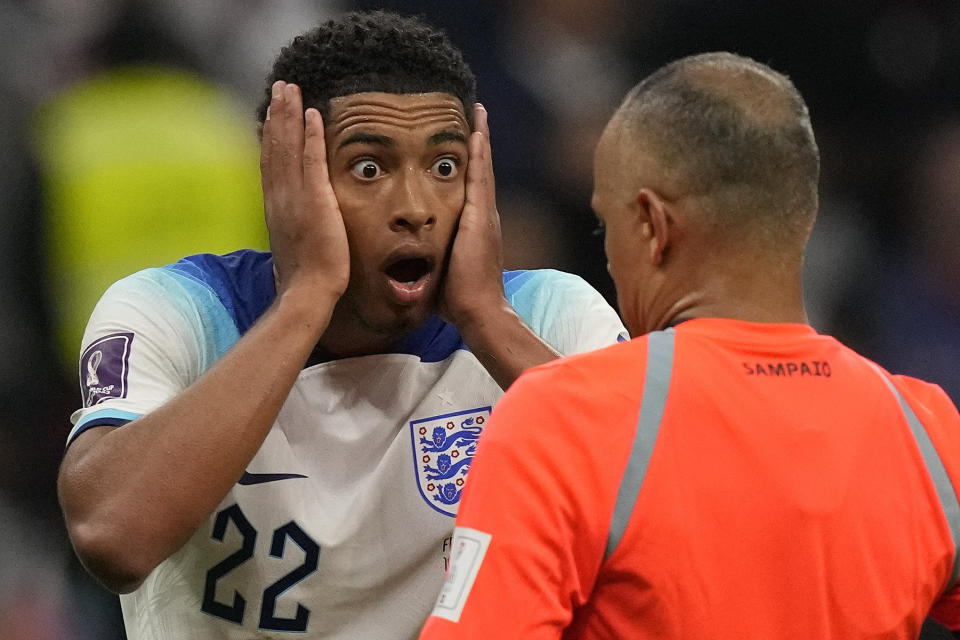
(655, 222)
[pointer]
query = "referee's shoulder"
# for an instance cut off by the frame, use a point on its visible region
(589, 369)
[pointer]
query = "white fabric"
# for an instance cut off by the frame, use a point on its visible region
(367, 527)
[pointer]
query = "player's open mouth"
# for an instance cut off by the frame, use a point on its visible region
(409, 278)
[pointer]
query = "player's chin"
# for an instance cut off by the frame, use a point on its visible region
(399, 320)
(414, 315)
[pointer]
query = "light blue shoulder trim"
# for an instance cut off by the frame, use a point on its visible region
(111, 417)
(539, 296)
(199, 304)
(530, 293)
(242, 280)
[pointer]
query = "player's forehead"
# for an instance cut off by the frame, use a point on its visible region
(405, 113)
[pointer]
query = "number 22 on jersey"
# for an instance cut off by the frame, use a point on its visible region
(234, 611)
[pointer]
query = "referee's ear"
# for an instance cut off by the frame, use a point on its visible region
(657, 225)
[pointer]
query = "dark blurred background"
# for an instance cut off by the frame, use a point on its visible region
(127, 140)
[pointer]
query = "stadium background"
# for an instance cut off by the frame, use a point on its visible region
(127, 140)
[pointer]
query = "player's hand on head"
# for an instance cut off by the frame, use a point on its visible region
(474, 279)
(307, 235)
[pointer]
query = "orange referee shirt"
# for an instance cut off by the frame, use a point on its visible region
(721, 479)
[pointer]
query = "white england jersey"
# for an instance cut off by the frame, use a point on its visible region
(340, 527)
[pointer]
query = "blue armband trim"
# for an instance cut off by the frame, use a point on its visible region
(106, 417)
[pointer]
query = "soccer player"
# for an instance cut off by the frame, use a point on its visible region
(729, 472)
(275, 443)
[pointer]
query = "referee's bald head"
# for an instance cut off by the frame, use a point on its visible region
(706, 180)
(735, 135)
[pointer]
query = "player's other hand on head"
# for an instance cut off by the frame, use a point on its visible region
(474, 280)
(307, 234)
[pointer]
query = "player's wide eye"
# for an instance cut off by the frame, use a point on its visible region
(366, 169)
(444, 168)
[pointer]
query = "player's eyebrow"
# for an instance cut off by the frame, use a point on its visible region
(368, 138)
(446, 136)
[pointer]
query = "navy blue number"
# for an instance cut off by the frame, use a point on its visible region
(234, 612)
(311, 559)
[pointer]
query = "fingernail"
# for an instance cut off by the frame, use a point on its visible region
(277, 88)
(268, 113)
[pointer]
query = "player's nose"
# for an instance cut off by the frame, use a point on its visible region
(412, 210)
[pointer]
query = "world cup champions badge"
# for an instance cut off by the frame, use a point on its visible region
(104, 365)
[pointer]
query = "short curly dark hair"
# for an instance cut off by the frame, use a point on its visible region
(372, 51)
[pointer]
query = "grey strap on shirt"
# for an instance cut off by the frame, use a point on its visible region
(938, 473)
(655, 386)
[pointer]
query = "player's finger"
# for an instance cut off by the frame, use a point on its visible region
(316, 174)
(273, 136)
(483, 118)
(292, 137)
(480, 118)
(266, 145)
(480, 182)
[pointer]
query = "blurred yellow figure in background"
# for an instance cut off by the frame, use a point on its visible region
(141, 165)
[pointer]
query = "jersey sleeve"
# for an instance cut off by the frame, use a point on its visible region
(565, 311)
(532, 526)
(941, 420)
(149, 337)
